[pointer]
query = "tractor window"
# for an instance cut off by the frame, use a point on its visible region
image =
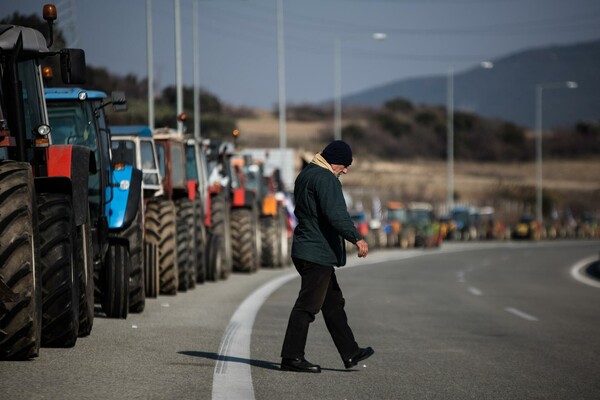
(190, 165)
(123, 152)
(32, 97)
(178, 176)
(397, 215)
(147, 154)
(72, 122)
(160, 152)
(148, 163)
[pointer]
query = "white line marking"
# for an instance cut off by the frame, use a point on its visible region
(232, 378)
(475, 291)
(520, 314)
(577, 271)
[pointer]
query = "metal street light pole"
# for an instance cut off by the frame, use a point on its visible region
(178, 66)
(281, 80)
(150, 60)
(539, 90)
(450, 138)
(196, 52)
(450, 130)
(337, 73)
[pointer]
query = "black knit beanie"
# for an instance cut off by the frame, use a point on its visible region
(338, 152)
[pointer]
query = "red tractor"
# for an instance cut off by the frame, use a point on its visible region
(46, 286)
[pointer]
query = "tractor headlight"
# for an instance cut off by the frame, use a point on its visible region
(43, 130)
(124, 185)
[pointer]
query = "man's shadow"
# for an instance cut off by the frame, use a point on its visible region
(255, 363)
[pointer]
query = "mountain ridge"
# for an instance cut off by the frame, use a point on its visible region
(507, 91)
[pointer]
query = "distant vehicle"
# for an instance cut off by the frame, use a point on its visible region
(465, 221)
(361, 222)
(427, 229)
(489, 227)
(527, 228)
(396, 225)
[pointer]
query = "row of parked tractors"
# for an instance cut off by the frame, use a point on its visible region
(94, 217)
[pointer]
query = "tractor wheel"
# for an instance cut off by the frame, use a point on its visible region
(270, 245)
(151, 273)
(84, 260)
(60, 287)
(201, 242)
(115, 281)
(243, 240)
(214, 258)
(257, 229)
(185, 210)
(221, 226)
(182, 234)
(160, 225)
(20, 269)
(135, 235)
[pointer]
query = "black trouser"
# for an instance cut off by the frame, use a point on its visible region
(319, 292)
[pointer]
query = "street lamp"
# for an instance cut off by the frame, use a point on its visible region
(450, 130)
(539, 90)
(337, 55)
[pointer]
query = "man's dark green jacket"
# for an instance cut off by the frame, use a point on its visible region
(323, 219)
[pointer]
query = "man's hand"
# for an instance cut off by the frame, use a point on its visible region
(363, 248)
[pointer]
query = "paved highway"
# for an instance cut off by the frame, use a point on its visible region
(469, 321)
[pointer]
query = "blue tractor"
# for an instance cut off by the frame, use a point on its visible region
(134, 145)
(114, 194)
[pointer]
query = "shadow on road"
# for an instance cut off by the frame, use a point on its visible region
(255, 363)
(214, 356)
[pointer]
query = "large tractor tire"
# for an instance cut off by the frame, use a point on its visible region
(221, 226)
(160, 225)
(84, 260)
(60, 287)
(201, 243)
(115, 281)
(214, 258)
(256, 227)
(20, 269)
(151, 272)
(186, 213)
(135, 235)
(243, 240)
(270, 242)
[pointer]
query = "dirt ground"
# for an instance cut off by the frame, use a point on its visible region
(570, 183)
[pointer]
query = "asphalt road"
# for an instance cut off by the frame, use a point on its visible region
(480, 321)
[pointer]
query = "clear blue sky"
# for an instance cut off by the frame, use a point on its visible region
(238, 42)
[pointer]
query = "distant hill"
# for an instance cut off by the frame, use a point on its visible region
(508, 90)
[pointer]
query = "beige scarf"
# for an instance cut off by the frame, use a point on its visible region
(321, 162)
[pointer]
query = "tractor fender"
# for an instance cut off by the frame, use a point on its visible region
(127, 188)
(243, 198)
(269, 206)
(53, 184)
(76, 163)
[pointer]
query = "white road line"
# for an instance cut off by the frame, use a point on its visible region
(578, 273)
(232, 378)
(520, 314)
(474, 291)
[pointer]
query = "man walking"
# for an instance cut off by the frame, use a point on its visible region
(318, 247)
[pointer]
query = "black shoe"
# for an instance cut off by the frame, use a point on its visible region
(299, 365)
(362, 354)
